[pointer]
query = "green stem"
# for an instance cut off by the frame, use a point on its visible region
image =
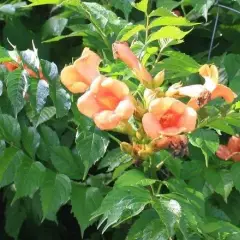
(147, 29)
(114, 138)
(183, 9)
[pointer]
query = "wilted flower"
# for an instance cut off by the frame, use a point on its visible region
(231, 150)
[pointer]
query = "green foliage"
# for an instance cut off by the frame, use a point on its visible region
(58, 169)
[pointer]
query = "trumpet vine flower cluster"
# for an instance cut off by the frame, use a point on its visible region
(163, 120)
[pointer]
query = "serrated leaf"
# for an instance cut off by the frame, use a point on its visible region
(171, 21)
(131, 31)
(54, 27)
(222, 125)
(168, 32)
(205, 139)
(10, 129)
(142, 6)
(231, 63)
(15, 215)
(50, 72)
(49, 136)
(46, 114)
(113, 159)
(169, 212)
(153, 230)
(42, 94)
(133, 177)
(220, 180)
(55, 191)
(85, 201)
(91, 145)
(15, 88)
(121, 204)
(6, 159)
(30, 140)
(235, 175)
(29, 178)
(66, 162)
(179, 64)
(120, 169)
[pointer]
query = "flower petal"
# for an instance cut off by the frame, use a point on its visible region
(88, 105)
(234, 144)
(193, 104)
(125, 109)
(224, 92)
(118, 88)
(191, 91)
(171, 131)
(160, 105)
(188, 120)
(106, 120)
(151, 125)
(87, 65)
(69, 77)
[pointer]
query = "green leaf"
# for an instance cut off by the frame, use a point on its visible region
(173, 164)
(120, 169)
(133, 177)
(169, 212)
(49, 136)
(130, 31)
(85, 201)
(55, 192)
(235, 175)
(6, 160)
(4, 56)
(205, 139)
(113, 159)
(168, 4)
(91, 145)
(231, 64)
(42, 94)
(200, 8)
(153, 230)
(121, 204)
(54, 27)
(30, 59)
(15, 215)
(46, 114)
(161, 12)
(222, 125)
(220, 180)
(10, 129)
(42, 2)
(16, 83)
(171, 21)
(30, 140)
(50, 72)
(234, 84)
(10, 166)
(29, 178)
(66, 162)
(62, 102)
(123, 5)
(142, 6)
(168, 32)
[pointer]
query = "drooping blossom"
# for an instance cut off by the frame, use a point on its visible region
(202, 94)
(78, 77)
(168, 117)
(122, 51)
(231, 150)
(107, 103)
(10, 66)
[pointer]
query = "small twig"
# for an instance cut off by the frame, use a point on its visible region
(214, 32)
(114, 138)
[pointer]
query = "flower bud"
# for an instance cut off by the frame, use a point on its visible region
(126, 147)
(158, 79)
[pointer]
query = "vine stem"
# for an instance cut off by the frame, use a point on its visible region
(229, 8)
(213, 33)
(114, 138)
(147, 29)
